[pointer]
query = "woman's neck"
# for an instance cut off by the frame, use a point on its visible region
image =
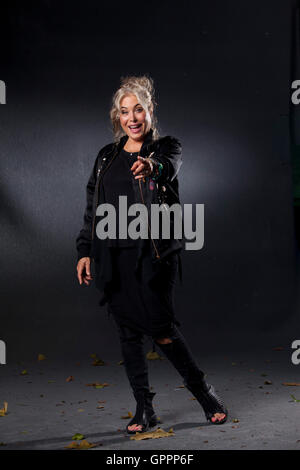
(133, 146)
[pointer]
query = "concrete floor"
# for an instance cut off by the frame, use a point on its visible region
(45, 411)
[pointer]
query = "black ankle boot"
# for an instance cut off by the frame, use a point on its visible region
(139, 417)
(210, 401)
(181, 357)
(149, 411)
(144, 414)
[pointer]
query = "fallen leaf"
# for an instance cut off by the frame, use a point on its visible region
(235, 420)
(101, 401)
(97, 385)
(130, 415)
(41, 357)
(98, 362)
(153, 355)
(120, 362)
(295, 399)
(70, 378)
(3, 411)
(100, 407)
(267, 382)
(83, 445)
(24, 372)
(291, 384)
(158, 433)
(78, 437)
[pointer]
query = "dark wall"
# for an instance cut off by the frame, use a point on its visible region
(222, 76)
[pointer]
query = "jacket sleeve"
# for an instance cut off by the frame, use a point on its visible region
(84, 238)
(167, 159)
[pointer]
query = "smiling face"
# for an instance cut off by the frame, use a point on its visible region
(133, 118)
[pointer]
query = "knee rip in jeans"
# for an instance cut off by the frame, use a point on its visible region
(167, 339)
(163, 340)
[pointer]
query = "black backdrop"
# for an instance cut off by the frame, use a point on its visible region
(222, 72)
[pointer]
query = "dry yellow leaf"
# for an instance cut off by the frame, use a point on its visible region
(291, 384)
(130, 415)
(84, 444)
(41, 357)
(70, 378)
(152, 355)
(97, 385)
(158, 433)
(97, 361)
(3, 411)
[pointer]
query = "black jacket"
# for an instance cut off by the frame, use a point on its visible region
(167, 151)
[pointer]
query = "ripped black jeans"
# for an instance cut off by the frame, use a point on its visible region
(177, 351)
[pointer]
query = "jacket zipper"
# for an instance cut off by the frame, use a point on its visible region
(149, 228)
(97, 185)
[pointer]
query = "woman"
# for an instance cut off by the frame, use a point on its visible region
(136, 276)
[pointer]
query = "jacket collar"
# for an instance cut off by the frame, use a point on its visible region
(148, 140)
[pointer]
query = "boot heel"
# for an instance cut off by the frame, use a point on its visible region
(150, 413)
(153, 421)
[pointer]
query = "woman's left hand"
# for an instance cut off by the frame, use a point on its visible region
(142, 167)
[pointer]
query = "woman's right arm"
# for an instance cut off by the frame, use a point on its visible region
(84, 239)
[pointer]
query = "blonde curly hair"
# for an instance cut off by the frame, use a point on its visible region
(142, 87)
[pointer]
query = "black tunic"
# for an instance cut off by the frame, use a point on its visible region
(118, 182)
(135, 301)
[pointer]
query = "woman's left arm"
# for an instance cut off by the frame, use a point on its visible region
(167, 159)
